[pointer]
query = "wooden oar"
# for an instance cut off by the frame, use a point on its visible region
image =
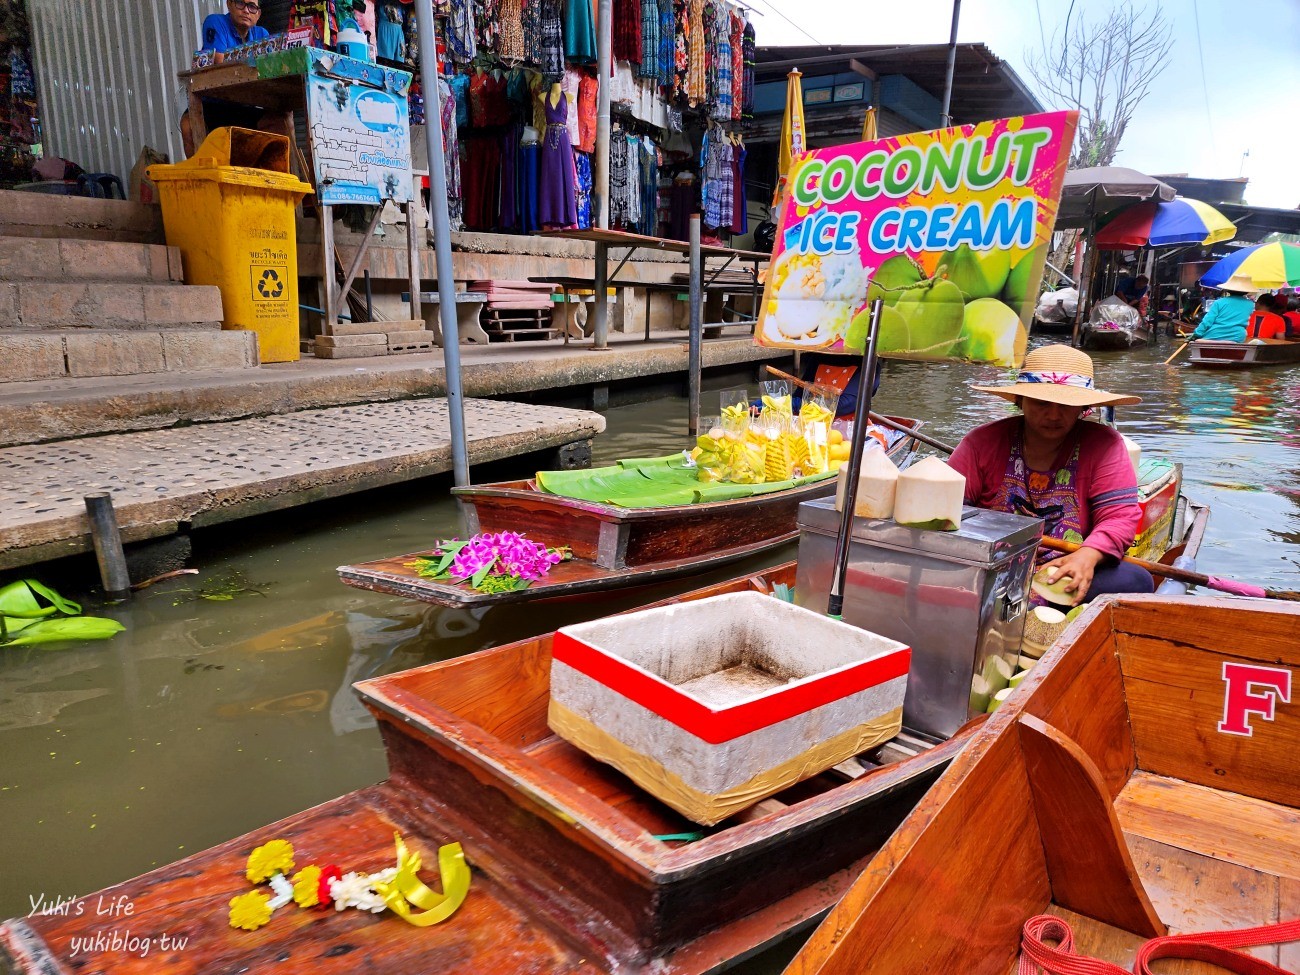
(1183, 575)
(1177, 352)
(876, 418)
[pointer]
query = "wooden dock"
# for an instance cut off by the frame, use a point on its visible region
(168, 481)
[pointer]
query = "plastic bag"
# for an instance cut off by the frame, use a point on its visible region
(140, 187)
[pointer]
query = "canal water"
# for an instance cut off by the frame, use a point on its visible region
(210, 716)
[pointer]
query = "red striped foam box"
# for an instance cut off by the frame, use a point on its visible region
(716, 704)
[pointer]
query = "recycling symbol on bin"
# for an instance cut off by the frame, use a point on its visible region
(270, 285)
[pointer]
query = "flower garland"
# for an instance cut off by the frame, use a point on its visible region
(491, 562)
(396, 888)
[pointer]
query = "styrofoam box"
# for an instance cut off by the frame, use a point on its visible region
(715, 704)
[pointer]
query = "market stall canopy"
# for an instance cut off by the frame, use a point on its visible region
(1169, 222)
(1259, 268)
(1099, 191)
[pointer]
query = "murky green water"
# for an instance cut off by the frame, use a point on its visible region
(206, 719)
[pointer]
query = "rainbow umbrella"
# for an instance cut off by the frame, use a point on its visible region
(1259, 268)
(1176, 221)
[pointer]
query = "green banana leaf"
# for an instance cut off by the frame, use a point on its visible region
(66, 628)
(19, 607)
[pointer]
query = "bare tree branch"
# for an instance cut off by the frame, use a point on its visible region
(1102, 68)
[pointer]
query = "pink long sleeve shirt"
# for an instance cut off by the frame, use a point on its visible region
(1107, 483)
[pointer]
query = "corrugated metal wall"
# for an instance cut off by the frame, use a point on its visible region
(106, 76)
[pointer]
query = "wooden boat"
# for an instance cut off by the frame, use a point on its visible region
(1142, 782)
(571, 873)
(1114, 337)
(613, 546)
(574, 867)
(1243, 355)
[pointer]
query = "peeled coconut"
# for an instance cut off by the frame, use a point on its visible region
(1053, 592)
(998, 698)
(930, 496)
(996, 673)
(1042, 626)
(877, 483)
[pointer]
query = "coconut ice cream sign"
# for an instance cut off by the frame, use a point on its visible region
(950, 228)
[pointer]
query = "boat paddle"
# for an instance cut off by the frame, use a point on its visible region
(1155, 568)
(1177, 352)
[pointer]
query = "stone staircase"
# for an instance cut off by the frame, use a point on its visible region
(74, 306)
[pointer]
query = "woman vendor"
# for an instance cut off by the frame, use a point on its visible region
(1048, 463)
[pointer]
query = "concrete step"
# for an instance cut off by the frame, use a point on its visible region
(42, 304)
(79, 217)
(30, 354)
(52, 260)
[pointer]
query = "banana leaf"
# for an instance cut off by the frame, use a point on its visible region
(66, 628)
(19, 607)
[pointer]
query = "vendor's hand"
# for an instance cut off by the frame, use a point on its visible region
(1079, 566)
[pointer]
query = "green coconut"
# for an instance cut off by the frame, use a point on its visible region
(893, 278)
(979, 274)
(893, 336)
(998, 698)
(991, 331)
(1021, 283)
(934, 315)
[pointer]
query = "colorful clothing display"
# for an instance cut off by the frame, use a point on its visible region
(696, 86)
(737, 65)
(461, 45)
(510, 33)
(552, 40)
(650, 47)
(582, 162)
(588, 93)
(718, 190)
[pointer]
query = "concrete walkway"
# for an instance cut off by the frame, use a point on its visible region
(33, 412)
(164, 481)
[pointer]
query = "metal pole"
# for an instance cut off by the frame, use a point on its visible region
(600, 159)
(600, 166)
(601, 328)
(945, 113)
(696, 328)
(843, 540)
(442, 240)
(108, 545)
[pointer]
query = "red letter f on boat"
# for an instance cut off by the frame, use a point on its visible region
(1252, 690)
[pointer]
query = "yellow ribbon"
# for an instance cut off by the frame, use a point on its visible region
(406, 888)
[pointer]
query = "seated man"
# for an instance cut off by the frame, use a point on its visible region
(1132, 291)
(1264, 322)
(221, 32)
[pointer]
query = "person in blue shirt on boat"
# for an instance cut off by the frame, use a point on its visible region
(1226, 319)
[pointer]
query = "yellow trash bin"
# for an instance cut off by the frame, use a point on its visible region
(230, 211)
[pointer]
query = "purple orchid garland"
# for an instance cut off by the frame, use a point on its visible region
(499, 561)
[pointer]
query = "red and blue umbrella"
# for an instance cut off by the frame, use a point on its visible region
(1262, 267)
(1176, 221)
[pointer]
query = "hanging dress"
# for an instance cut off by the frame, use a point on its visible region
(627, 30)
(552, 41)
(649, 40)
(751, 55)
(697, 87)
(461, 46)
(526, 195)
(667, 43)
(557, 193)
(588, 92)
(533, 31)
(719, 73)
(487, 24)
(510, 31)
(582, 162)
(737, 65)
(579, 32)
(451, 152)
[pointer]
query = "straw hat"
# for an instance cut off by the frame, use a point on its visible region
(1059, 374)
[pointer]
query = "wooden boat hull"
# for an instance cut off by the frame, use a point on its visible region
(1128, 787)
(569, 875)
(1115, 338)
(613, 547)
(1243, 355)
